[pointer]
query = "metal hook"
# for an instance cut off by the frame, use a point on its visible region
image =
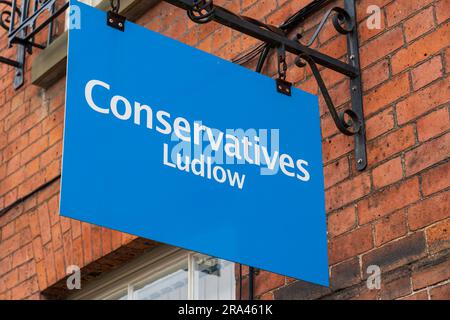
(202, 11)
(283, 86)
(113, 18)
(115, 5)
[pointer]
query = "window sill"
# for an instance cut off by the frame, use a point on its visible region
(50, 64)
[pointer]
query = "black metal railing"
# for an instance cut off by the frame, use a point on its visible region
(20, 20)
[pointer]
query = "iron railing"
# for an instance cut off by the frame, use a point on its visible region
(20, 20)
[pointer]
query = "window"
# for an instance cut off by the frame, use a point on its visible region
(166, 273)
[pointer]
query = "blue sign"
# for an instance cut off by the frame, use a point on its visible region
(173, 144)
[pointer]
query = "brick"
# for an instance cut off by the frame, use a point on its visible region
(27, 270)
(381, 46)
(55, 135)
(397, 11)
(390, 227)
(379, 124)
(261, 9)
(22, 255)
(53, 209)
(22, 221)
(388, 200)
(375, 74)
(5, 265)
(336, 172)
(441, 292)
(421, 49)
(391, 144)
(351, 244)
(7, 230)
(345, 274)
(365, 294)
(41, 275)
(44, 223)
(341, 221)
(56, 236)
(335, 48)
(396, 288)
(436, 179)
(336, 146)
(67, 248)
(429, 211)
(25, 289)
(34, 150)
(427, 72)
(421, 295)
(267, 281)
(431, 275)
(13, 243)
(386, 94)
(76, 228)
(87, 242)
(427, 154)
(347, 192)
(289, 8)
(60, 266)
(49, 260)
(77, 253)
(387, 173)
(96, 234)
(398, 253)
(38, 249)
(442, 12)
(433, 124)
(9, 280)
(419, 24)
(438, 236)
(106, 241)
(301, 290)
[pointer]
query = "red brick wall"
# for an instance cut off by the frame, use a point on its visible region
(394, 215)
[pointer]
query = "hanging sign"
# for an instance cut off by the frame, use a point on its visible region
(173, 144)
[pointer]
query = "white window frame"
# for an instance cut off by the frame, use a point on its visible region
(152, 265)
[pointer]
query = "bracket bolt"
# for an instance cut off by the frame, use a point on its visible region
(352, 57)
(120, 24)
(111, 20)
(360, 161)
(354, 88)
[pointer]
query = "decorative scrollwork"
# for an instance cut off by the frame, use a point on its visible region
(5, 14)
(347, 121)
(342, 22)
(202, 11)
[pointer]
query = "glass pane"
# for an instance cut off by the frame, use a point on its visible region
(213, 278)
(171, 286)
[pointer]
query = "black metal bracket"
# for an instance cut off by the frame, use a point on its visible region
(349, 122)
(115, 20)
(203, 11)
